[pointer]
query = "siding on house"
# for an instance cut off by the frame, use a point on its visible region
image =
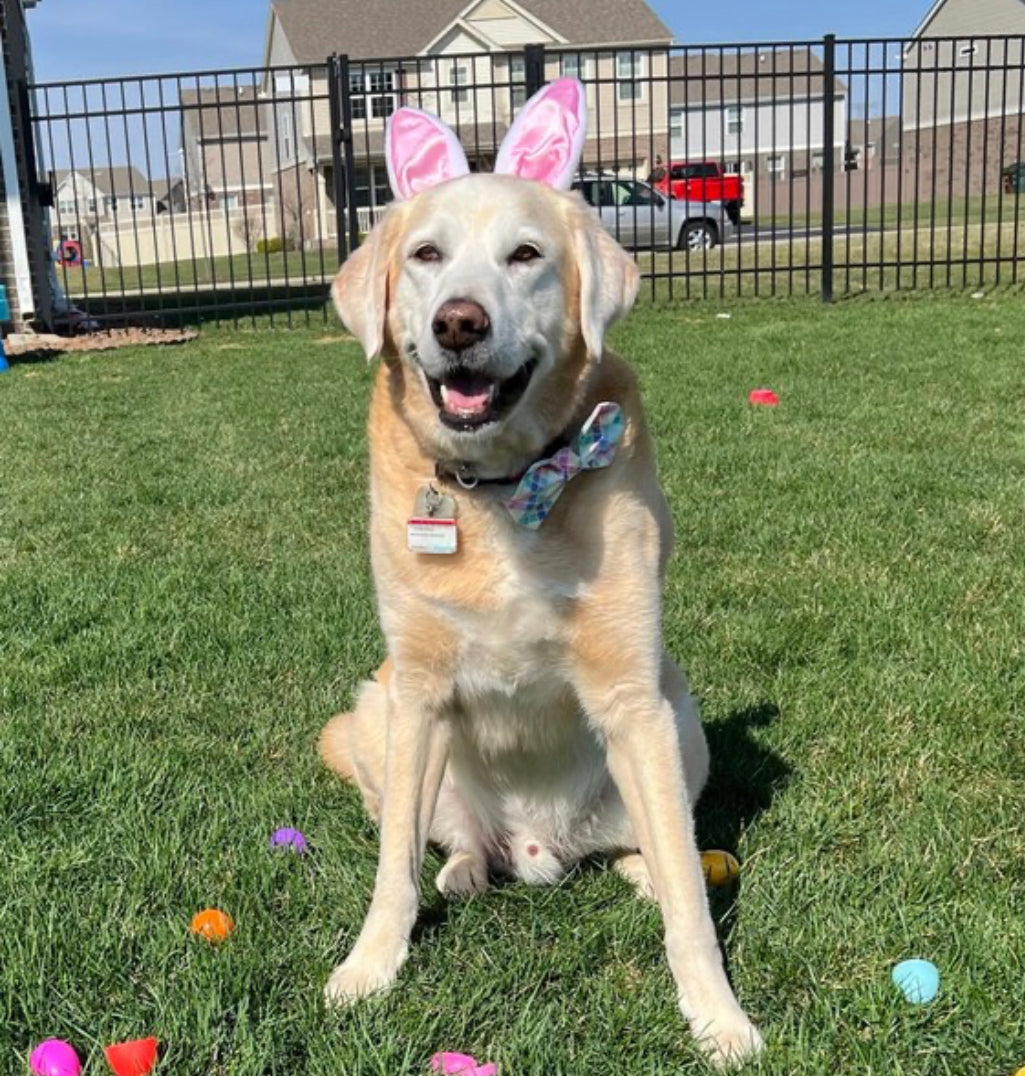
(957, 81)
(963, 18)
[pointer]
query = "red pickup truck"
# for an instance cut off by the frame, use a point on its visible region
(701, 181)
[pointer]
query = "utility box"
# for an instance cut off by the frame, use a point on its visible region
(1014, 178)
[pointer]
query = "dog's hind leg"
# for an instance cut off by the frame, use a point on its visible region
(353, 744)
(455, 829)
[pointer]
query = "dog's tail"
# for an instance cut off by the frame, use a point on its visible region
(334, 746)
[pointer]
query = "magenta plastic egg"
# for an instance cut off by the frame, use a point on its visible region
(55, 1057)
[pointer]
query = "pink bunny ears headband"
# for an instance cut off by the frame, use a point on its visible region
(544, 143)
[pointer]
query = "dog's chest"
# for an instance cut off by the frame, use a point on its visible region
(516, 646)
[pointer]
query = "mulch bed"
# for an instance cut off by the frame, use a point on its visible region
(30, 346)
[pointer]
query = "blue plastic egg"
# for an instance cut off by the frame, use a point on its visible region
(919, 980)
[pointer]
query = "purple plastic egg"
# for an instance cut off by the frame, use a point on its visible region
(289, 838)
(55, 1057)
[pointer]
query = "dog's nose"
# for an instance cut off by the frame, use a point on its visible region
(460, 323)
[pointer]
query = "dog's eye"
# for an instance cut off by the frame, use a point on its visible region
(427, 252)
(525, 252)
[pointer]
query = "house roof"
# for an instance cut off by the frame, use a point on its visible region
(384, 28)
(708, 76)
(121, 180)
(219, 112)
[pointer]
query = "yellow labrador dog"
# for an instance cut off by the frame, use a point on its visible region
(527, 714)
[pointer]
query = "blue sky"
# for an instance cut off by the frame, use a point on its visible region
(72, 39)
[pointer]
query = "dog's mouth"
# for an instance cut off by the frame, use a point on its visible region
(468, 399)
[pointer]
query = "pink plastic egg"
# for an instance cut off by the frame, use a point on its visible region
(55, 1057)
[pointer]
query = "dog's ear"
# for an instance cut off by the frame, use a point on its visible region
(420, 152)
(360, 287)
(547, 138)
(609, 280)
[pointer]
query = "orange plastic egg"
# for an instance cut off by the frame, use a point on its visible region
(212, 924)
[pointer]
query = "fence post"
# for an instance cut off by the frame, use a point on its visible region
(534, 68)
(342, 157)
(828, 164)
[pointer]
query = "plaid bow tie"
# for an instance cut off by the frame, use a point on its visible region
(592, 448)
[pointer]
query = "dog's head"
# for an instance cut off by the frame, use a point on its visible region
(495, 291)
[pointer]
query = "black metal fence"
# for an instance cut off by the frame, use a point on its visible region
(816, 167)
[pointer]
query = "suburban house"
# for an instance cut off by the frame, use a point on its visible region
(227, 159)
(465, 62)
(963, 95)
(85, 196)
(761, 113)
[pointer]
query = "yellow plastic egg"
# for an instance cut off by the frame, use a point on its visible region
(719, 868)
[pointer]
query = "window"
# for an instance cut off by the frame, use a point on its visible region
(737, 168)
(517, 80)
(629, 68)
(573, 65)
(285, 141)
(138, 202)
(92, 205)
(67, 208)
(110, 203)
(361, 176)
(381, 186)
(636, 194)
(817, 160)
(357, 102)
(776, 166)
(676, 126)
(734, 119)
(380, 86)
(459, 75)
(704, 170)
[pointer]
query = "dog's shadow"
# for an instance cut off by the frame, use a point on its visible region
(745, 777)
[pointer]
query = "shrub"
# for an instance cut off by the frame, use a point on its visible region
(275, 245)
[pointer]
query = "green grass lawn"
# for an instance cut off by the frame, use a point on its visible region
(185, 598)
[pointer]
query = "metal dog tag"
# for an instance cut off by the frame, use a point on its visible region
(432, 527)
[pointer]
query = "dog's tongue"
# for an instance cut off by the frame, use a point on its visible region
(467, 395)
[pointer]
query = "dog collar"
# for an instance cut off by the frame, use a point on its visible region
(541, 484)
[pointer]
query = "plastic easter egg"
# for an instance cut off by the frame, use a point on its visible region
(287, 837)
(55, 1057)
(918, 980)
(719, 868)
(212, 924)
(134, 1058)
(766, 397)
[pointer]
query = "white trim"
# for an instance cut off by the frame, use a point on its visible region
(457, 24)
(923, 25)
(15, 217)
(460, 18)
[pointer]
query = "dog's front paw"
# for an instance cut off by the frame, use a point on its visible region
(729, 1042)
(362, 975)
(463, 875)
